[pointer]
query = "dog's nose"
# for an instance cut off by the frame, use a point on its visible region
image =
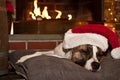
(95, 66)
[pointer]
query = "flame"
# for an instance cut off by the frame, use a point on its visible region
(32, 15)
(59, 14)
(36, 12)
(36, 9)
(69, 16)
(45, 13)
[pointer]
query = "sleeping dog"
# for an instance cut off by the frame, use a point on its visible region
(88, 56)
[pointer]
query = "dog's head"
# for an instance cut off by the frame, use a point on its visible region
(88, 56)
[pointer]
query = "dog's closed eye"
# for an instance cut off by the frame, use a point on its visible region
(99, 56)
(83, 51)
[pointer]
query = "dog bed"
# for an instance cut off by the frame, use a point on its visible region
(53, 68)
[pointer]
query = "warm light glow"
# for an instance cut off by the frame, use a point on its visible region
(36, 12)
(36, 9)
(12, 29)
(69, 17)
(111, 13)
(115, 19)
(109, 9)
(59, 14)
(32, 15)
(45, 13)
(110, 25)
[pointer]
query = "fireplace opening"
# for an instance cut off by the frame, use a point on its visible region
(55, 16)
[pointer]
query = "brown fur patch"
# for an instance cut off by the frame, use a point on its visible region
(82, 53)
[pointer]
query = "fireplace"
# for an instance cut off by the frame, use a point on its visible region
(62, 15)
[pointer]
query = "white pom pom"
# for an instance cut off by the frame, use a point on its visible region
(115, 53)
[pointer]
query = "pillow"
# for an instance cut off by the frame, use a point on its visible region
(15, 56)
(53, 68)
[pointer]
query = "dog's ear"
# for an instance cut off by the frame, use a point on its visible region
(66, 50)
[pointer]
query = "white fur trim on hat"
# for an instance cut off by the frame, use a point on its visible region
(72, 40)
(115, 53)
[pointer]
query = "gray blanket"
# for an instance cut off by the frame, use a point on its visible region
(53, 68)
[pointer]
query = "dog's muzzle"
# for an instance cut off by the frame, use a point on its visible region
(95, 66)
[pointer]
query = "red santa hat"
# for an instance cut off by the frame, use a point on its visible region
(94, 34)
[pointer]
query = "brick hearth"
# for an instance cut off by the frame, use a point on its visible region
(36, 42)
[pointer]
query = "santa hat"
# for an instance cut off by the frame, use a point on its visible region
(94, 34)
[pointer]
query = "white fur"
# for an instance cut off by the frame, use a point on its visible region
(57, 52)
(48, 53)
(94, 53)
(88, 65)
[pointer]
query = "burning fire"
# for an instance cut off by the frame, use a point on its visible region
(69, 16)
(32, 15)
(36, 11)
(44, 14)
(59, 14)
